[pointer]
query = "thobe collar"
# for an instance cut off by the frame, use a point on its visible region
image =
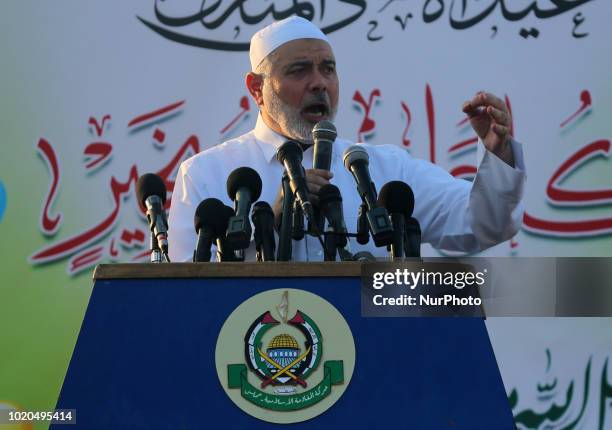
(268, 140)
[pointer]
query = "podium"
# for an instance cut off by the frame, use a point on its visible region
(145, 355)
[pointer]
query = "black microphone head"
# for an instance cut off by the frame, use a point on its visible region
(244, 177)
(261, 208)
(149, 185)
(329, 193)
(353, 154)
(397, 197)
(289, 149)
(209, 213)
(324, 130)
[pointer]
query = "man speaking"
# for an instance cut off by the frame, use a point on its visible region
(294, 82)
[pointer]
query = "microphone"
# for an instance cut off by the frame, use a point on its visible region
(363, 234)
(290, 155)
(286, 225)
(323, 134)
(331, 206)
(244, 188)
(297, 223)
(263, 220)
(397, 197)
(151, 192)
(356, 161)
(225, 252)
(412, 242)
(208, 224)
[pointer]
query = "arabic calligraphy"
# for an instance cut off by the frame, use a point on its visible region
(84, 249)
(96, 153)
(570, 412)
(406, 109)
(243, 114)
(562, 196)
(585, 105)
(288, 402)
(213, 17)
(332, 375)
(371, 37)
(578, 20)
(532, 32)
(461, 21)
(605, 395)
(49, 224)
(368, 125)
(227, 25)
(466, 14)
(431, 123)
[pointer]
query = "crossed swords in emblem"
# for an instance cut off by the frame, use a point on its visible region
(283, 370)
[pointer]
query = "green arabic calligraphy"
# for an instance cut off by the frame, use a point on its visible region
(333, 374)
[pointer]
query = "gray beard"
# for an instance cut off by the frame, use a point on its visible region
(289, 118)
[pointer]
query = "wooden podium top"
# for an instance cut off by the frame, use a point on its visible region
(227, 270)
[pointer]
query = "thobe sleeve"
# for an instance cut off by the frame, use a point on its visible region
(457, 215)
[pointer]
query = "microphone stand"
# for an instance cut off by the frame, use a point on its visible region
(286, 225)
(398, 245)
(363, 232)
(319, 221)
(412, 240)
(297, 227)
(226, 253)
(330, 247)
(156, 254)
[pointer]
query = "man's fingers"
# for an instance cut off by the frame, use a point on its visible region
(316, 178)
(501, 130)
(320, 172)
(487, 99)
(313, 187)
(499, 116)
(470, 110)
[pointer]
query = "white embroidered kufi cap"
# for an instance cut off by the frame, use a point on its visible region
(278, 33)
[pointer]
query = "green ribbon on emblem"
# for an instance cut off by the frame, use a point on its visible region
(333, 374)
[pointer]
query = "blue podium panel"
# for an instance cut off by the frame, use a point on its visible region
(145, 359)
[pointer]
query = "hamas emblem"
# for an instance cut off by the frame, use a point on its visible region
(285, 365)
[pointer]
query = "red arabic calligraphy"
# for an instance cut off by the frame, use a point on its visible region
(49, 224)
(431, 123)
(144, 119)
(96, 153)
(406, 109)
(561, 196)
(244, 108)
(586, 102)
(79, 246)
(99, 127)
(367, 123)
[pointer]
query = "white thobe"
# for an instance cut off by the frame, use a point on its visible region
(454, 214)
